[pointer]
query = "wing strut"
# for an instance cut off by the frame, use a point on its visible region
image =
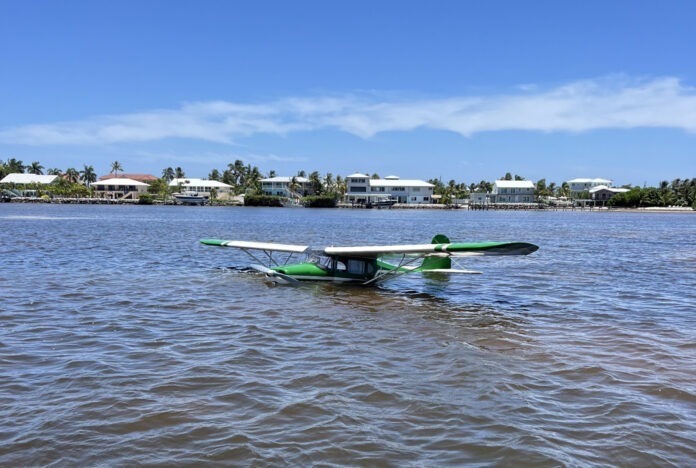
(402, 268)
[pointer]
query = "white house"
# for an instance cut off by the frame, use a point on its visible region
(513, 191)
(361, 189)
(203, 187)
(602, 193)
(23, 183)
(119, 189)
(280, 186)
(19, 178)
(584, 185)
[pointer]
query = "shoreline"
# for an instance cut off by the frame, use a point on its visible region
(102, 201)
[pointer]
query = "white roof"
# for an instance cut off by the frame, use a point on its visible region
(19, 178)
(120, 182)
(399, 183)
(286, 180)
(357, 174)
(589, 181)
(611, 189)
(188, 181)
(514, 183)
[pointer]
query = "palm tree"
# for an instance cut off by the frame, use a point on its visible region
(54, 171)
(293, 186)
(214, 175)
(71, 175)
(271, 174)
(14, 165)
(315, 183)
(35, 168)
(179, 173)
(340, 186)
(88, 175)
(115, 167)
(168, 174)
(329, 183)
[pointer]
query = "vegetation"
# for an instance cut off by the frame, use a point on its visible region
(145, 199)
(680, 192)
(326, 190)
(329, 200)
(262, 200)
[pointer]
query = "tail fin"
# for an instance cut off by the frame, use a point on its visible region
(437, 263)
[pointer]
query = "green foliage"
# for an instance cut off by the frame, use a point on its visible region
(145, 199)
(262, 200)
(65, 188)
(160, 187)
(328, 200)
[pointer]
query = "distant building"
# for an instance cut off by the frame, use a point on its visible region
(479, 198)
(144, 178)
(119, 189)
(513, 191)
(360, 188)
(204, 187)
(281, 187)
(602, 193)
(584, 185)
(24, 183)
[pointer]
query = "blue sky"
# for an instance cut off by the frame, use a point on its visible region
(467, 90)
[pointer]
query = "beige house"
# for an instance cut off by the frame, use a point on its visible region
(601, 193)
(119, 189)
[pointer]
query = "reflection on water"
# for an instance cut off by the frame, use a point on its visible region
(124, 341)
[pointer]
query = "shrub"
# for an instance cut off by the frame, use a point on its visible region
(145, 199)
(262, 200)
(320, 201)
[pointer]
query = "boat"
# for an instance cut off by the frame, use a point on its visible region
(190, 198)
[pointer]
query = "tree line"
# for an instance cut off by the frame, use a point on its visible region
(246, 179)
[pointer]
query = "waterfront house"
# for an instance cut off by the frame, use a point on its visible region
(479, 198)
(203, 187)
(24, 184)
(513, 191)
(119, 189)
(144, 178)
(602, 193)
(283, 187)
(580, 185)
(361, 189)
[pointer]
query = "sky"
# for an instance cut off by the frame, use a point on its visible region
(464, 90)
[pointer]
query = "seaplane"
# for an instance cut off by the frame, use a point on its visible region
(365, 265)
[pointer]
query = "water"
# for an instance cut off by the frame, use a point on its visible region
(125, 341)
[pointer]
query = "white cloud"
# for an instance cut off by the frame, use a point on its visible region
(574, 107)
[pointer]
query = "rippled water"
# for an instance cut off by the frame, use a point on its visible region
(123, 341)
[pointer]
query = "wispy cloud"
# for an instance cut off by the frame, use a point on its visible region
(212, 158)
(607, 103)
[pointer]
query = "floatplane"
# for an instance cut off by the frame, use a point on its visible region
(365, 265)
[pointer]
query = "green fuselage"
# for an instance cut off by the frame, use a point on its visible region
(332, 269)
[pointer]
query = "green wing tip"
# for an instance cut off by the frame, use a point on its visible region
(211, 241)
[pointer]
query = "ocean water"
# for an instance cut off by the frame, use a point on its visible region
(124, 341)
